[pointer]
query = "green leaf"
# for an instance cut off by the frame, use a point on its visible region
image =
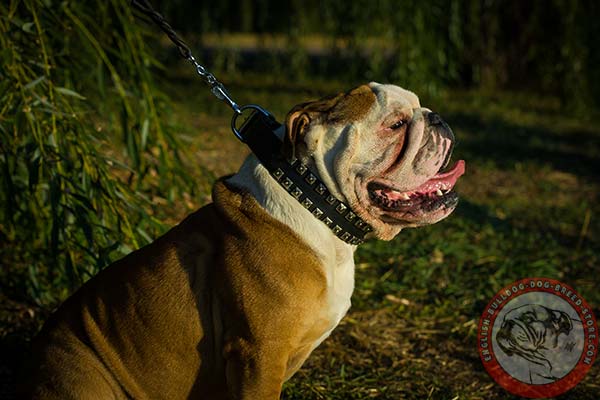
(34, 82)
(69, 92)
(145, 130)
(144, 234)
(28, 27)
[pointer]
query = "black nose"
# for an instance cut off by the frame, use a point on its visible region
(435, 119)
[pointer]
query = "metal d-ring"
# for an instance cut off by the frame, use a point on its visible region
(234, 127)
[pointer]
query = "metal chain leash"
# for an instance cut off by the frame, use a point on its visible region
(259, 132)
(216, 87)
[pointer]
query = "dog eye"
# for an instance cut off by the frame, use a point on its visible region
(397, 125)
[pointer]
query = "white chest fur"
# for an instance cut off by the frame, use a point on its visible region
(340, 285)
(337, 257)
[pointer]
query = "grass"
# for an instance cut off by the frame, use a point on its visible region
(529, 207)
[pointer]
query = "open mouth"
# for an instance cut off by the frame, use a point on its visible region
(430, 196)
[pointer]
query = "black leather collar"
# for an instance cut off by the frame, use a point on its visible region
(258, 132)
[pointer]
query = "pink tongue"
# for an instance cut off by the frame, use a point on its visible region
(443, 181)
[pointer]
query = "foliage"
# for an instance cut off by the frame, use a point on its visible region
(86, 164)
(543, 46)
(76, 77)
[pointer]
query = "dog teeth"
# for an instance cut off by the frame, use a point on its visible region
(439, 192)
(404, 196)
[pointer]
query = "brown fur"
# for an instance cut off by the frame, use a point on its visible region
(340, 109)
(209, 310)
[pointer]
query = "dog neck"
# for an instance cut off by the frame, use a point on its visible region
(255, 178)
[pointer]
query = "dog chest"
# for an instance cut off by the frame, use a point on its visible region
(340, 285)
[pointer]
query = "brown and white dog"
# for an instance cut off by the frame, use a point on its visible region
(230, 303)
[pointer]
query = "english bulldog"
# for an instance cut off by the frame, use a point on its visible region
(229, 303)
(547, 339)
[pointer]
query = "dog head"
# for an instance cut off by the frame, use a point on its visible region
(529, 329)
(378, 150)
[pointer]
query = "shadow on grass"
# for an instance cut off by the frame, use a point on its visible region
(506, 143)
(480, 215)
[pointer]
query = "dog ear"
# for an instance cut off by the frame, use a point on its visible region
(296, 123)
(563, 321)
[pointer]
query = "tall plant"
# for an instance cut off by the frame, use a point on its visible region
(82, 145)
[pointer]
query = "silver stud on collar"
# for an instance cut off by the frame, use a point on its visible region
(301, 171)
(296, 193)
(278, 173)
(356, 241)
(287, 183)
(310, 178)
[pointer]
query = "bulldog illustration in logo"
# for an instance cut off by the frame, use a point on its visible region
(543, 337)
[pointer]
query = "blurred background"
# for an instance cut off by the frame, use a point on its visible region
(108, 138)
(549, 47)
